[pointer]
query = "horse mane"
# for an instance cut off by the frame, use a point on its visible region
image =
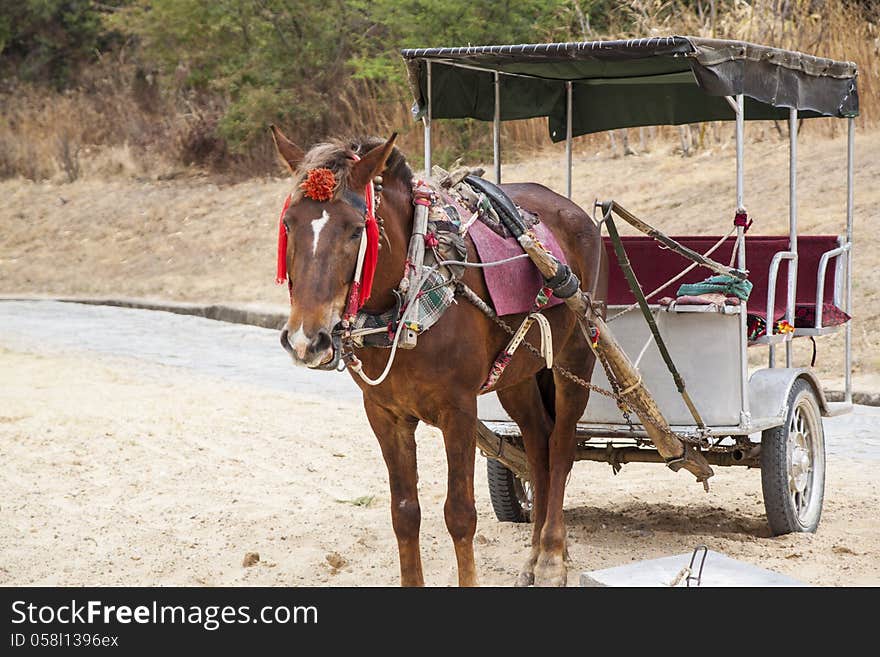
(336, 155)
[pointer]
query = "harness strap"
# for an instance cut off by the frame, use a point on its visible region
(504, 358)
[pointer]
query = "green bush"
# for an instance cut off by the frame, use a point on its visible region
(290, 61)
(46, 40)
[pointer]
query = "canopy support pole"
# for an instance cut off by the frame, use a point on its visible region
(496, 130)
(792, 227)
(427, 122)
(850, 168)
(568, 138)
(740, 109)
(740, 203)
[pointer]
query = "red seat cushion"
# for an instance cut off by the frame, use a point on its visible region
(654, 265)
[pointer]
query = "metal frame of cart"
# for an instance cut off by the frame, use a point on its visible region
(770, 419)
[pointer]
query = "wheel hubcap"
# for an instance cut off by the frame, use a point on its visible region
(524, 495)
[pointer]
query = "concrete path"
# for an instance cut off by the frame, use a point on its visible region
(238, 352)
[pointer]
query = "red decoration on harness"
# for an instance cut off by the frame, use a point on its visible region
(281, 271)
(362, 286)
(371, 258)
(319, 184)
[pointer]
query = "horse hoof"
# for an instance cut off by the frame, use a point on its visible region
(525, 579)
(552, 573)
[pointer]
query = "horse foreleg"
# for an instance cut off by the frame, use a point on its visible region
(459, 427)
(396, 437)
(571, 400)
(525, 406)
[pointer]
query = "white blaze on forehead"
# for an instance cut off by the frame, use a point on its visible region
(317, 226)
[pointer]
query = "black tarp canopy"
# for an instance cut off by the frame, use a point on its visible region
(636, 82)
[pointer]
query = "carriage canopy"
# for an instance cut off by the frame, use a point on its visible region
(619, 84)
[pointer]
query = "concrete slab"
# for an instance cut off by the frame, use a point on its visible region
(718, 570)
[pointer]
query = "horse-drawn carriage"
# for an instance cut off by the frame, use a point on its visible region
(769, 418)
(367, 281)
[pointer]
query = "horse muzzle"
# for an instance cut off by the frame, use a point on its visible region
(324, 352)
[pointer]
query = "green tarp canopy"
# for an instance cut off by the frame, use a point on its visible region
(636, 82)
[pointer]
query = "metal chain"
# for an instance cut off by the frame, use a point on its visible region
(615, 386)
(571, 376)
(564, 372)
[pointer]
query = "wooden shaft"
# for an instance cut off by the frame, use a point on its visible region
(497, 447)
(415, 255)
(637, 395)
(670, 243)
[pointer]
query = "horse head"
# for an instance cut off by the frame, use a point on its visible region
(326, 226)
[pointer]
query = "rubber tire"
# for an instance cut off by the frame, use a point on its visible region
(502, 493)
(781, 514)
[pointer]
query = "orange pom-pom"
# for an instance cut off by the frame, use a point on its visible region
(319, 184)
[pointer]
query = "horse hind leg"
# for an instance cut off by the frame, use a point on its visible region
(571, 400)
(396, 437)
(523, 402)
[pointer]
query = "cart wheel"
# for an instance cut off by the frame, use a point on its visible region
(793, 465)
(511, 496)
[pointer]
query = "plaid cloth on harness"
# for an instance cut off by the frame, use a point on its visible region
(436, 296)
(450, 214)
(443, 241)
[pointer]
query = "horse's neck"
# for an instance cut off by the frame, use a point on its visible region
(396, 211)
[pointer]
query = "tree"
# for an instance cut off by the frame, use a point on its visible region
(47, 40)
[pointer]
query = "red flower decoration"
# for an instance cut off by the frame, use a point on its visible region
(319, 184)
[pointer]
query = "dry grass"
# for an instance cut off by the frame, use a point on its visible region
(131, 126)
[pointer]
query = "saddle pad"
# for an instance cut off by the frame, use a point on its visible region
(514, 285)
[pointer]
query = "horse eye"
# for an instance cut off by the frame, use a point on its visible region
(356, 235)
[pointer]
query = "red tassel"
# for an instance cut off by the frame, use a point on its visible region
(353, 305)
(281, 270)
(371, 257)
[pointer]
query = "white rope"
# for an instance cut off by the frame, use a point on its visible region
(648, 341)
(444, 263)
(406, 315)
(676, 277)
(400, 326)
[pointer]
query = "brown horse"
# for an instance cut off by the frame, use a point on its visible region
(438, 381)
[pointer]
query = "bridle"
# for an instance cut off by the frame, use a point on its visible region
(364, 272)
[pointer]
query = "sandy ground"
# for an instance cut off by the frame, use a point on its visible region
(116, 471)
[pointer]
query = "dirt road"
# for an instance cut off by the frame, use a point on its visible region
(162, 454)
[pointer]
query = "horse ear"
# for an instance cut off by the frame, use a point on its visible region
(371, 164)
(290, 153)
